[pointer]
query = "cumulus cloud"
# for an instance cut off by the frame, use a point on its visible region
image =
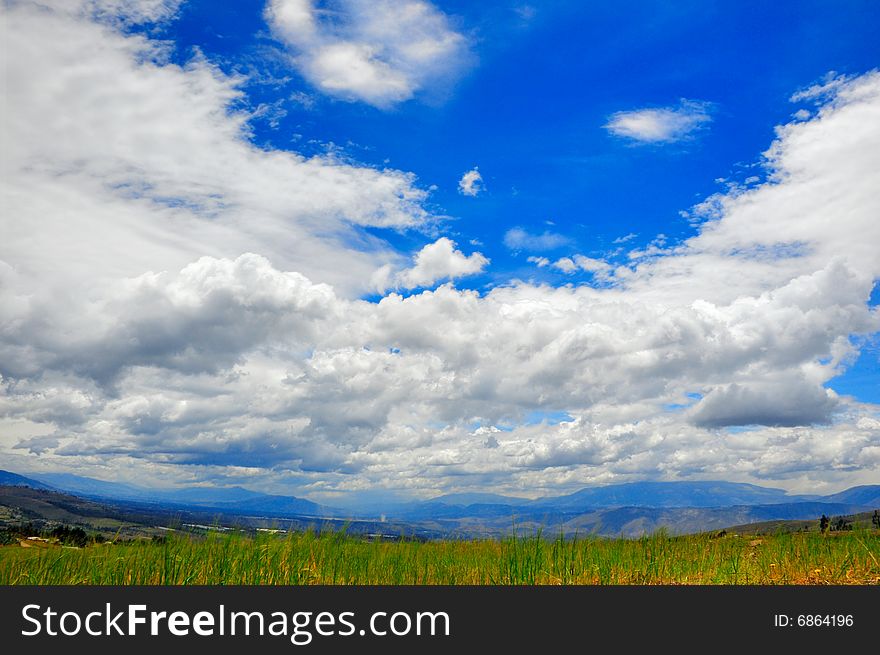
(766, 402)
(381, 52)
(325, 385)
(199, 321)
(517, 238)
(565, 264)
(599, 268)
(438, 261)
(471, 183)
(172, 306)
(662, 124)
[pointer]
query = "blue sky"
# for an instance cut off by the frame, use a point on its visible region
(529, 109)
(423, 247)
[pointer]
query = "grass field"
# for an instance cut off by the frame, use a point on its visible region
(307, 558)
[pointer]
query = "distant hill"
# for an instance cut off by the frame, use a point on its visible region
(859, 520)
(101, 488)
(636, 494)
(637, 521)
(631, 509)
(272, 506)
(76, 484)
(15, 480)
(498, 521)
(24, 505)
(671, 494)
(209, 495)
(867, 495)
(230, 499)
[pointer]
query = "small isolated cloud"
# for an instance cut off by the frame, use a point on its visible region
(575, 263)
(660, 125)
(471, 183)
(518, 239)
(377, 51)
(438, 261)
(787, 402)
(540, 262)
(525, 12)
(565, 264)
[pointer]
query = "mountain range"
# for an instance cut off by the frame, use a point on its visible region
(630, 509)
(8, 479)
(234, 500)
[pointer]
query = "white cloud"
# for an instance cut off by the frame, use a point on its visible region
(133, 12)
(540, 262)
(774, 402)
(526, 12)
(471, 183)
(600, 268)
(828, 88)
(592, 265)
(519, 239)
(154, 154)
(660, 125)
(440, 260)
(381, 52)
(565, 264)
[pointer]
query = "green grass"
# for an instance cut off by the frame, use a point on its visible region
(308, 558)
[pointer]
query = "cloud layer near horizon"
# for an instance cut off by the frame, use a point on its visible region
(178, 304)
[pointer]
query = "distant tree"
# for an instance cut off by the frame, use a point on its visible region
(70, 536)
(876, 519)
(824, 523)
(840, 524)
(78, 537)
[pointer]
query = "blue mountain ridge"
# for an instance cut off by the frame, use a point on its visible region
(665, 496)
(15, 480)
(231, 499)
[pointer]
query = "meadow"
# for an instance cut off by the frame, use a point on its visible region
(302, 558)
